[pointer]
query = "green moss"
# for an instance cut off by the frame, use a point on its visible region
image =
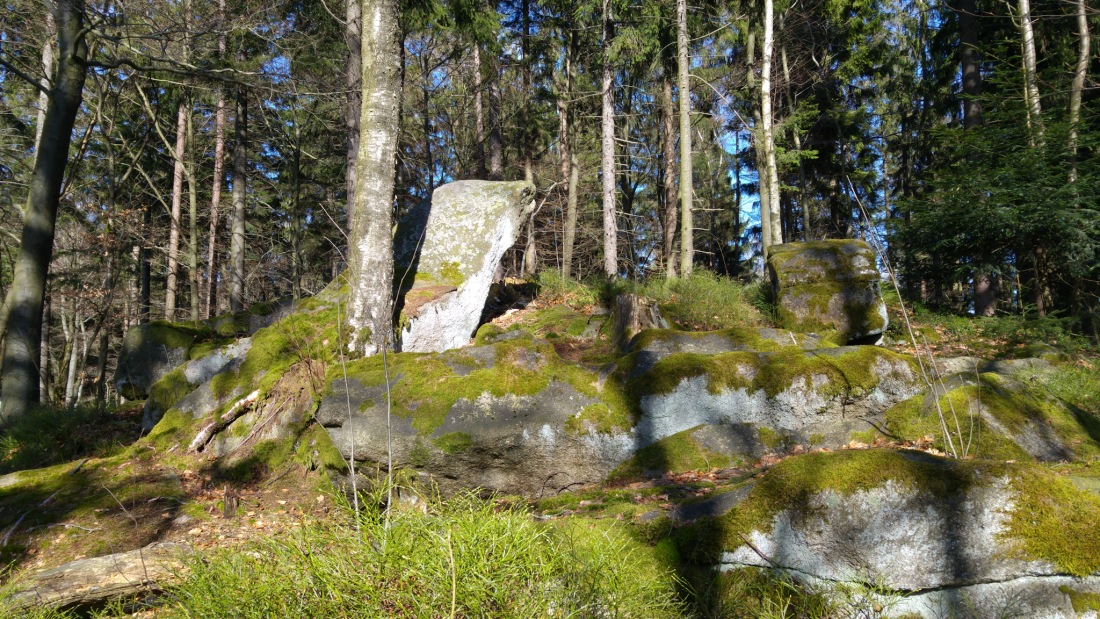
(1054, 521)
(486, 333)
(316, 451)
(851, 372)
(419, 455)
(451, 273)
(173, 334)
(599, 417)
(303, 336)
(917, 419)
(1082, 602)
(794, 481)
(169, 389)
(816, 439)
(770, 438)
(673, 454)
(453, 442)
(173, 429)
(428, 387)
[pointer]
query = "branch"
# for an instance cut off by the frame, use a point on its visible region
(23, 76)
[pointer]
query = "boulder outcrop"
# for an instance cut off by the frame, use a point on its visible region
(927, 534)
(471, 225)
(828, 287)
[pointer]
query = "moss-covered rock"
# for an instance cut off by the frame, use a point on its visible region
(910, 522)
(828, 287)
(151, 350)
(787, 390)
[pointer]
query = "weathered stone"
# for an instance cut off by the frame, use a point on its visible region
(100, 580)
(511, 444)
(831, 386)
(934, 534)
(828, 286)
(149, 351)
(471, 225)
(197, 373)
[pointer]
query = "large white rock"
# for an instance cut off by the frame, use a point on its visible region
(471, 225)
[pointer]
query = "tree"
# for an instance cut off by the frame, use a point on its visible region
(24, 329)
(607, 148)
(371, 244)
(687, 232)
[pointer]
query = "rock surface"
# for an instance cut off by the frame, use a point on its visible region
(826, 286)
(471, 225)
(89, 582)
(199, 399)
(941, 549)
(149, 351)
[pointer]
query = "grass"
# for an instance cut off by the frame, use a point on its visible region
(464, 558)
(706, 302)
(49, 435)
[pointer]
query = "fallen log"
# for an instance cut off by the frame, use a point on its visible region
(100, 580)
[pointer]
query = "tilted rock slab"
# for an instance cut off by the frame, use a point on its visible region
(100, 580)
(830, 285)
(471, 225)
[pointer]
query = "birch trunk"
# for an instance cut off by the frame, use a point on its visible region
(353, 83)
(1078, 87)
(775, 232)
(607, 150)
(687, 190)
(1031, 85)
(570, 171)
(479, 114)
(371, 243)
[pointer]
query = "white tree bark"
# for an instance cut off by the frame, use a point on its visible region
(607, 152)
(775, 231)
(1078, 87)
(371, 242)
(687, 190)
(1031, 85)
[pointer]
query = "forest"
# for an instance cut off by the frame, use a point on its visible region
(210, 163)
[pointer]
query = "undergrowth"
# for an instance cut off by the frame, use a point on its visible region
(465, 557)
(49, 435)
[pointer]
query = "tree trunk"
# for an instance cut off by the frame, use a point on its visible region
(479, 115)
(353, 84)
(1078, 87)
(174, 224)
(1031, 84)
(570, 171)
(192, 223)
(371, 242)
(496, 146)
(24, 329)
(219, 180)
(668, 150)
(47, 72)
(607, 150)
(687, 189)
(774, 215)
(240, 181)
(296, 213)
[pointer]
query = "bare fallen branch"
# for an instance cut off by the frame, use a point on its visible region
(209, 430)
